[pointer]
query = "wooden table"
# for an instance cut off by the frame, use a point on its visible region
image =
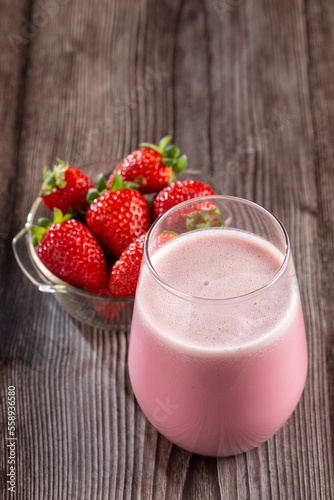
(246, 90)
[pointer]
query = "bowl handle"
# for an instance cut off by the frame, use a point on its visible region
(21, 252)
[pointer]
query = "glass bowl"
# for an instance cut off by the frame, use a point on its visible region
(95, 310)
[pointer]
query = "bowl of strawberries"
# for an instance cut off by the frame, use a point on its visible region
(84, 237)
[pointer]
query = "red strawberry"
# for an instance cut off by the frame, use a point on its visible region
(163, 238)
(70, 251)
(108, 310)
(151, 166)
(124, 275)
(119, 216)
(65, 187)
(177, 192)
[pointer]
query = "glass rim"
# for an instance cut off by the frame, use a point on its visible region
(225, 300)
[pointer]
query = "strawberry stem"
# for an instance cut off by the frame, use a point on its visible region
(92, 193)
(101, 183)
(204, 218)
(164, 141)
(169, 153)
(38, 233)
(118, 183)
(43, 224)
(54, 178)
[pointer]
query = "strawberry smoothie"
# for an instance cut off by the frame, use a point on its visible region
(220, 372)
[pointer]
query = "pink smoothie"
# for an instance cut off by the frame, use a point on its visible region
(218, 375)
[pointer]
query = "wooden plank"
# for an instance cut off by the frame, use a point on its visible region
(13, 71)
(319, 17)
(13, 65)
(245, 89)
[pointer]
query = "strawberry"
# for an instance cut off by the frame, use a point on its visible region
(117, 217)
(151, 166)
(206, 215)
(124, 275)
(177, 192)
(108, 310)
(65, 187)
(70, 251)
(163, 238)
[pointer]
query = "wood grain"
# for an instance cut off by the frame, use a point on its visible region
(246, 89)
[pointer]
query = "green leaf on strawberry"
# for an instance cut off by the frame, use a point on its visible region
(92, 193)
(101, 183)
(119, 183)
(44, 223)
(169, 153)
(65, 187)
(151, 166)
(204, 218)
(54, 178)
(101, 186)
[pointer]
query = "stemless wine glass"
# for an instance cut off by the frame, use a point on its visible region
(217, 354)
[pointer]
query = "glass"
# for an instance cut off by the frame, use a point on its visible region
(217, 353)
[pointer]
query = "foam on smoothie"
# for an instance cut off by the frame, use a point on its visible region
(217, 264)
